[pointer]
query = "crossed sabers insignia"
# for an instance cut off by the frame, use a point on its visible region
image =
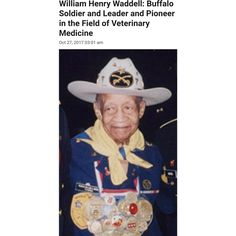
(122, 78)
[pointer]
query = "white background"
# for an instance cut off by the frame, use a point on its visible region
(203, 33)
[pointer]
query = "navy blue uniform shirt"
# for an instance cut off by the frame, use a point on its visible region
(91, 168)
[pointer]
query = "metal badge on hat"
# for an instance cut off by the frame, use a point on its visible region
(121, 79)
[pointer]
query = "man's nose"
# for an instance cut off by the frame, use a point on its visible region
(120, 115)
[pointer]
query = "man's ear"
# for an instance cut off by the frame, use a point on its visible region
(142, 107)
(97, 111)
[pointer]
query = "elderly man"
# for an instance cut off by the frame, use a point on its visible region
(115, 174)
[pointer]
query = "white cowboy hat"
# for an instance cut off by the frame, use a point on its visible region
(119, 76)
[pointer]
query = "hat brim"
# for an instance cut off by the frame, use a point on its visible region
(87, 91)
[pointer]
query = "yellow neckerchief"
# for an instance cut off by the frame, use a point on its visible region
(103, 144)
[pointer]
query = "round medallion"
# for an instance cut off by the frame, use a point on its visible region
(147, 184)
(145, 209)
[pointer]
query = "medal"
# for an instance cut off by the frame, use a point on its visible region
(142, 226)
(145, 209)
(107, 225)
(118, 222)
(109, 210)
(116, 233)
(131, 197)
(131, 224)
(127, 233)
(94, 208)
(123, 207)
(77, 209)
(95, 227)
(110, 200)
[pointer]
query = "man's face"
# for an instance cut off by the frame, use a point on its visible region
(120, 115)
